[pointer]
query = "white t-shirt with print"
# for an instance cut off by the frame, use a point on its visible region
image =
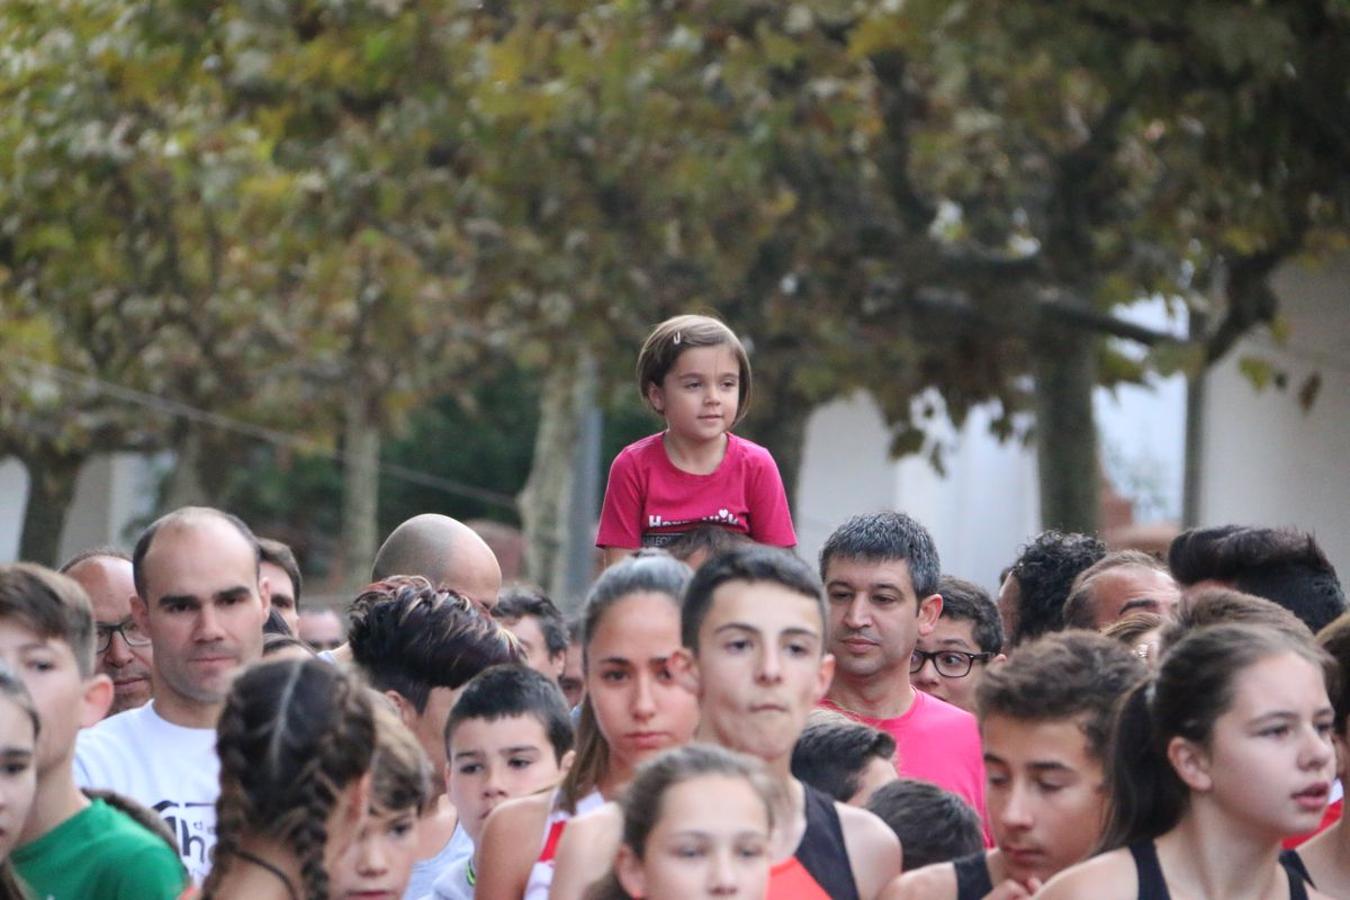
(165, 767)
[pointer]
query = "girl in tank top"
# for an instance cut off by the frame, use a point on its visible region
(633, 709)
(1215, 761)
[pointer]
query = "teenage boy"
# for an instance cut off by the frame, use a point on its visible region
(537, 625)
(200, 598)
(509, 735)
(753, 629)
(933, 825)
(881, 580)
(950, 660)
(1045, 717)
(71, 846)
(124, 652)
(419, 646)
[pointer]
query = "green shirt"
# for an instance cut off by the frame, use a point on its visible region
(100, 854)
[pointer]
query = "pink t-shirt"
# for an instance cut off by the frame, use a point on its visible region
(649, 502)
(937, 742)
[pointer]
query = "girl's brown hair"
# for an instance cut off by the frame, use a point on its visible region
(650, 571)
(676, 335)
(400, 776)
(292, 736)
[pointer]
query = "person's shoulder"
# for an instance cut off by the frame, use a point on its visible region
(874, 852)
(936, 882)
(1108, 876)
(749, 450)
(642, 448)
(952, 716)
(128, 723)
(139, 861)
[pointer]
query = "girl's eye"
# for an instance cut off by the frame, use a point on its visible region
(750, 851)
(614, 675)
(1276, 731)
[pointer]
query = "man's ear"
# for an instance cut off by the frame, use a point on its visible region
(999, 658)
(824, 676)
(1191, 763)
(407, 713)
(265, 593)
(628, 869)
(683, 668)
(930, 609)
(96, 700)
(140, 613)
(557, 662)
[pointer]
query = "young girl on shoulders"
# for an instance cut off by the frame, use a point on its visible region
(1215, 761)
(694, 372)
(634, 709)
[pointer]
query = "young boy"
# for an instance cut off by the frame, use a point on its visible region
(508, 735)
(71, 846)
(933, 825)
(967, 637)
(846, 759)
(1045, 719)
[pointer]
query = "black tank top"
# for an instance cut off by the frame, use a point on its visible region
(1152, 885)
(972, 877)
(1294, 863)
(821, 851)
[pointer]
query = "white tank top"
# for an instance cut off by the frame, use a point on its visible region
(541, 873)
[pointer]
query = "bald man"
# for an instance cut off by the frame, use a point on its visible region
(445, 552)
(123, 651)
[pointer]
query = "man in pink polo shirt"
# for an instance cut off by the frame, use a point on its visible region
(881, 573)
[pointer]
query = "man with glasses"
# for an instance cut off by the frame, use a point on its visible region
(949, 661)
(881, 582)
(123, 651)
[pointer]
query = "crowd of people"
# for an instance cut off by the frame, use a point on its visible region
(722, 718)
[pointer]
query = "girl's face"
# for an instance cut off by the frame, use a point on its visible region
(18, 775)
(378, 863)
(711, 840)
(700, 395)
(639, 706)
(1270, 763)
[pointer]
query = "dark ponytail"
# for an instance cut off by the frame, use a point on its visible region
(1194, 686)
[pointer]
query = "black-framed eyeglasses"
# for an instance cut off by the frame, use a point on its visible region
(127, 628)
(949, 663)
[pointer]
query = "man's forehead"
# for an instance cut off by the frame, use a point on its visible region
(859, 571)
(199, 558)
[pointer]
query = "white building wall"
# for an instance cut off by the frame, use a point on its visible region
(1265, 460)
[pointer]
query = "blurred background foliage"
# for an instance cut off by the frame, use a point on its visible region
(433, 235)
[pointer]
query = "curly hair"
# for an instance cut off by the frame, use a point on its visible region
(1045, 572)
(292, 736)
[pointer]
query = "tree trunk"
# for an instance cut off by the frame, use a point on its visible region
(548, 491)
(1066, 433)
(51, 488)
(782, 430)
(185, 481)
(360, 490)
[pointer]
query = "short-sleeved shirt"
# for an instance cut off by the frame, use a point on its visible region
(649, 501)
(936, 742)
(100, 853)
(172, 770)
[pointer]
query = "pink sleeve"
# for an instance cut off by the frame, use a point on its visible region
(770, 518)
(621, 512)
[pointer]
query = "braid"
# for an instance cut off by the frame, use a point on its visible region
(293, 736)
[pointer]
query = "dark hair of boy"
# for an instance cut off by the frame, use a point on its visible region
(1079, 609)
(933, 825)
(833, 751)
(1223, 606)
(53, 605)
(408, 637)
(705, 541)
(281, 556)
(674, 336)
(886, 536)
(1335, 640)
(1282, 564)
(966, 601)
(94, 553)
(508, 691)
(521, 600)
(1045, 571)
(147, 538)
(754, 564)
(1069, 674)
(275, 624)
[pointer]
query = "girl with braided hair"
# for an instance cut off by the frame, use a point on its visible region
(295, 742)
(18, 773)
